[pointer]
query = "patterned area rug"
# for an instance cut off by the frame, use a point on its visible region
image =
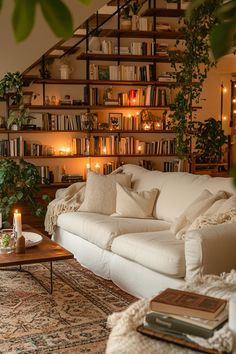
(71, 320)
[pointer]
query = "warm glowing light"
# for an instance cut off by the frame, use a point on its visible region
(234, 111)
(137, 113)
(88, 166)
(97, 167)
(139, 149)
(104, 150)
(234, 100)
(224, 118)
(134, 100)
(224, 89)
(129, 115)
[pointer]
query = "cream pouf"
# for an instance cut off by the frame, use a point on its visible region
(124, 339)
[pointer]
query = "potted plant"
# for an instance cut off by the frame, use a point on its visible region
(12, 84)
(125, 18)
(18, 119)
(135, 7)
(19, 183)
(210, 139)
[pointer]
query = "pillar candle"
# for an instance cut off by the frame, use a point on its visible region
(18, 223)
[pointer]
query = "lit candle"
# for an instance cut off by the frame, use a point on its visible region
(104, 150)
(18, 223)
(139, 149)
(97, 168)
(232, 319)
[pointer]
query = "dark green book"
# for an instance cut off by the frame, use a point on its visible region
(186, 325)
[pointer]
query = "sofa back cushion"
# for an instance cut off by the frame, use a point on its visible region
(177, 189)
(100, 193)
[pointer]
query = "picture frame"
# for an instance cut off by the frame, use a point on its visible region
(115, 121)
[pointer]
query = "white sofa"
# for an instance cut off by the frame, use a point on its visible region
(142, 256)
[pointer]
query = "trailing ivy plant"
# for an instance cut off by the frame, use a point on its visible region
(222, 36)
(191, 72)
(19, 182)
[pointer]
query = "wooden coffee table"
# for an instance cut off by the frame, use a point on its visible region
(46, 251)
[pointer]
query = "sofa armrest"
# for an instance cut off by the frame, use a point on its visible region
(211, 250)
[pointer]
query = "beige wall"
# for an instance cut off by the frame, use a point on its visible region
(19, 56)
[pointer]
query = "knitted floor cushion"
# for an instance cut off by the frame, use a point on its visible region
(124, 339)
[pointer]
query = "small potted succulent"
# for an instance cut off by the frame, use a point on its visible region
(12, 84)
(125, 18)
(135, 7)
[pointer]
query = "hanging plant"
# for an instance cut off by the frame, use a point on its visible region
(190, 74)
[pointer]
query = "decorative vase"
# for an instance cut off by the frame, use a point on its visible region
(135, 23)
(65, 71)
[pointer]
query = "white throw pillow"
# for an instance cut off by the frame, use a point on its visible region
(196, 208)
(100, 193)
(132, 204)
(228, 205)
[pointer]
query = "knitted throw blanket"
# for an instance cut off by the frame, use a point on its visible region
(70, 199)
(124, 339)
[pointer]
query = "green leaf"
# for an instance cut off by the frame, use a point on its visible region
(221, 38)
(23, 18)
(58, 17)
(86, 2)
(192, 6)
(19, 195)
(1, 3)
(227, 10)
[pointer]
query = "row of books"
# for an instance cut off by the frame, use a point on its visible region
(115, 145)
(135, 48)
(176, 314)
(62, 122)
(150, 96)
(122, 72)
(171, 166)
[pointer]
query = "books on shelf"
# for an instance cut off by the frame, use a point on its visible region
(122, 72)
(184, 303)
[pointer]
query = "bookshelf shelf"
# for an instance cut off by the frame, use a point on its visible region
(163, 12)
(124, 57)
(98, 82)
(146, 34)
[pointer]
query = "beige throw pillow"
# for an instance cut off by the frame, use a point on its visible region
(196, 208)
(132, 204)
(100, 192)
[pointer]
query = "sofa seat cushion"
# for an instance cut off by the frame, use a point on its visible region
(159, 251)
(102, 229)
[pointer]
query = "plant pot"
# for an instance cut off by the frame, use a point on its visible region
(125, 24)
(15, 127)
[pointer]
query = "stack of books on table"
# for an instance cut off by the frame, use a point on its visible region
(176, 314)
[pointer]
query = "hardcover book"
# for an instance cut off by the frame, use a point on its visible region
(186, 303)
(171, 338)
(193, 326)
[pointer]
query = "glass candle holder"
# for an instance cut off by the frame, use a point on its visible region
(7, 241)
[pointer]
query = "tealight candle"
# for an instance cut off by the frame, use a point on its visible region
(232, 319)
(18, 223)
(97, 168)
